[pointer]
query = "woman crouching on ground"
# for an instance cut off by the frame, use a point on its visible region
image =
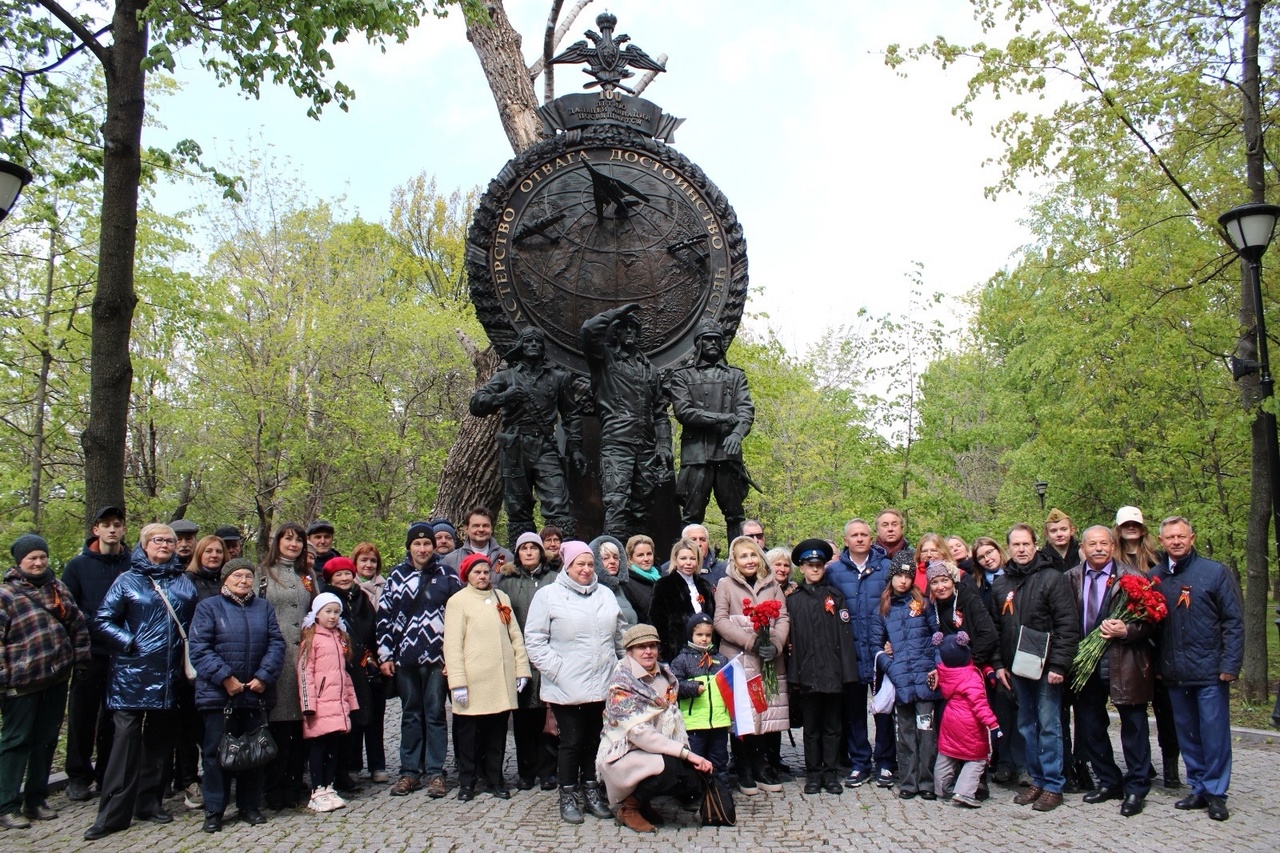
(644, 750)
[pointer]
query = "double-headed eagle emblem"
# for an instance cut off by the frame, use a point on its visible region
(609, 63)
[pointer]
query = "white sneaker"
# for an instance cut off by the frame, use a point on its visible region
(194, 798)
(335, 801)
(322, 800)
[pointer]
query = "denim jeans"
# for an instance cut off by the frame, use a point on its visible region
(1040, 722)
(424, 737)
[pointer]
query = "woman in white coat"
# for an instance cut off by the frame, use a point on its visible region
(574, 639)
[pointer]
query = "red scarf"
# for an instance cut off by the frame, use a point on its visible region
(902, 543)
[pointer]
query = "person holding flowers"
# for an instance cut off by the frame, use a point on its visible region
(751, 619)
(1119, 607)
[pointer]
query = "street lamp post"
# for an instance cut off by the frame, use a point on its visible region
(1041, 488)
(12, 179)
(1250, 227)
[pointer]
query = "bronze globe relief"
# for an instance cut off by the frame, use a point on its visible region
(601, 214)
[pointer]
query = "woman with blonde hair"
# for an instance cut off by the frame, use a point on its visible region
(676, 597)
(748, 581)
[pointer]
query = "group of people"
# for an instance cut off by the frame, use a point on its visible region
(622, 679)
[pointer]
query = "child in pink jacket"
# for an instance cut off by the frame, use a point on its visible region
(964, 738)
(327, 696)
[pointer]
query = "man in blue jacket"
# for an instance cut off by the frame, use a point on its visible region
(861, 573)
(1201, 651)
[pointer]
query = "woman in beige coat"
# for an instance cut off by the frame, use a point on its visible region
(748, 578)
(487, 666)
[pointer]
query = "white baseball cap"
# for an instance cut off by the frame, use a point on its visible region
(1129, 513)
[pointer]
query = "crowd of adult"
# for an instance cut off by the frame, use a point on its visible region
(618, 675)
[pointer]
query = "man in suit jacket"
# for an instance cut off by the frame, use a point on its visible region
(1124, 674)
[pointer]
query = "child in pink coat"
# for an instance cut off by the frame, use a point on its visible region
(964, 738)
(327, 696)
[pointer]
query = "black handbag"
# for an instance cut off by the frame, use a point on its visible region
(717, 802)
(248, 751)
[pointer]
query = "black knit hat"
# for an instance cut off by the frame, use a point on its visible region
(419, 530)
(25, 544)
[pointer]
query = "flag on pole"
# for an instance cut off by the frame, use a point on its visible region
(739, 698)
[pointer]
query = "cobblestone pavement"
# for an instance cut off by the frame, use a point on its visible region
(867, 818)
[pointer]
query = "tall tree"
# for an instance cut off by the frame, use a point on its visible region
(243, 43)
(1142, 88)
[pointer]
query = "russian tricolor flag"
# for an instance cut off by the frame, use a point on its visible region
(739, 697)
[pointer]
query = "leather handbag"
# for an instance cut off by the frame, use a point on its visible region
(248, 751)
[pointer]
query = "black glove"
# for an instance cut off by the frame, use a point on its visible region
(766, 650)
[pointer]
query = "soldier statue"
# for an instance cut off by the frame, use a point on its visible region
(532, 393)
(635, 432)
(711, 401)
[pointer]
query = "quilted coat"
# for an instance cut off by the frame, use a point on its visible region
(574, 638)
(737, 636)
(908, 627)
(232, 639)
(967, 719)
(146, 659)
(325, 691)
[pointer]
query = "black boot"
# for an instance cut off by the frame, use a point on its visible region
(1169, 761)
(569, 810)
(594, 802)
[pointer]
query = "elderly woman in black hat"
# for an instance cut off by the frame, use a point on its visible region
(644, 749)
(238, 652)
(43, 636)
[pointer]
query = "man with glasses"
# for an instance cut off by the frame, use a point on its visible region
(755, 530)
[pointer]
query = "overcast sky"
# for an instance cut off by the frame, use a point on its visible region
(842, 172)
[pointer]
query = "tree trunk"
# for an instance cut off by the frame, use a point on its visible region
(470, 476)
(498, 47)
(34, 498)
(110, 368)
(1253, 674)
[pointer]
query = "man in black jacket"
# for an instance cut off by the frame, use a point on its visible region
(88, 577)
(1031, 595)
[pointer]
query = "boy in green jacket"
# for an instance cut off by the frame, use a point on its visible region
(706, 717)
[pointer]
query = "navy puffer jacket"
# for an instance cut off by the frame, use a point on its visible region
(146, 648)
(909, 627)
(1203, 636)
(241, 640)
(862, 597)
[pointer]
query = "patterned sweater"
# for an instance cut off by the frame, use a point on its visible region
(411, 613)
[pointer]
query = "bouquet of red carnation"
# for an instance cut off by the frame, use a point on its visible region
(1136, 600)
(762, 616)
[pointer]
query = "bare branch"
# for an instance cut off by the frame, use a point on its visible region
(549, 48)
(80, 30)
(649, 75)
(561, 31)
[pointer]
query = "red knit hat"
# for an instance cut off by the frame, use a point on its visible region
(470, 563)
(337, 564)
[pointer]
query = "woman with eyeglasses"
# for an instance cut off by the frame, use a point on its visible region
(1009, 752)
(143, 619)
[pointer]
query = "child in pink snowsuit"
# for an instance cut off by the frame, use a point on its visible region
(964, 738)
